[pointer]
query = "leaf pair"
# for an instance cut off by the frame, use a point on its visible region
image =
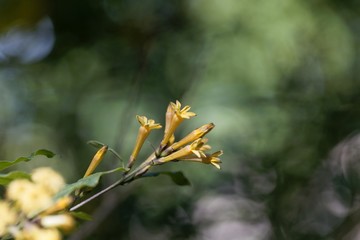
(5, 179)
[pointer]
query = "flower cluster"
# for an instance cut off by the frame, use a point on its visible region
(190, 148)
(29, 212)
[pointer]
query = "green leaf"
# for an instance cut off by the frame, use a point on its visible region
(116, 155)
(5, 179)
(87, 182)
(96, 144)
(177, 177)
(43, 152)
(6, 164)
(82, 216)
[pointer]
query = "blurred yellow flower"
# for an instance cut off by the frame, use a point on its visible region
(16, 188)
(28, 196)
(36, 233)
(62, 221)
(8, 216)
(48, 178)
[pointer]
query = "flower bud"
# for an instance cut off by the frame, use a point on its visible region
(96, 160)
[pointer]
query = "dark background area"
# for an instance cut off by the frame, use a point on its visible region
(279, 79)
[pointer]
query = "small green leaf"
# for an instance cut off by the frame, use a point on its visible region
(116, 155)
(96, 144)
(82, 216)
(177, 177)
(87, 182)
(5, 179)
(43, 152)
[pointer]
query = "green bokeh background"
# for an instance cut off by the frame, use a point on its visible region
(278, 78)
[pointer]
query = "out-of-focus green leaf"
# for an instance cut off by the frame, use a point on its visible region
(40, 152)
(6, 237)
(87, 182)
(177, 177)
(5, 179)
(6, 164)
(82, 216)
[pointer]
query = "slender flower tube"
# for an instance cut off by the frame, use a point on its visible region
(212, 159)
(178, 116)
(144, 130)
(96, 160)
(168, 117)
(194, 135)
(193, 148)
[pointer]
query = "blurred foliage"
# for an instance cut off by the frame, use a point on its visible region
(278, 78)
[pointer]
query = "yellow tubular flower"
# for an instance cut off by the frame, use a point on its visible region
(48, 178)
(193, 148)
(98, 157)
(172, 139)
(168, 117)
(178, 117)
(212, 159)
(197, 133)
(144, 130)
